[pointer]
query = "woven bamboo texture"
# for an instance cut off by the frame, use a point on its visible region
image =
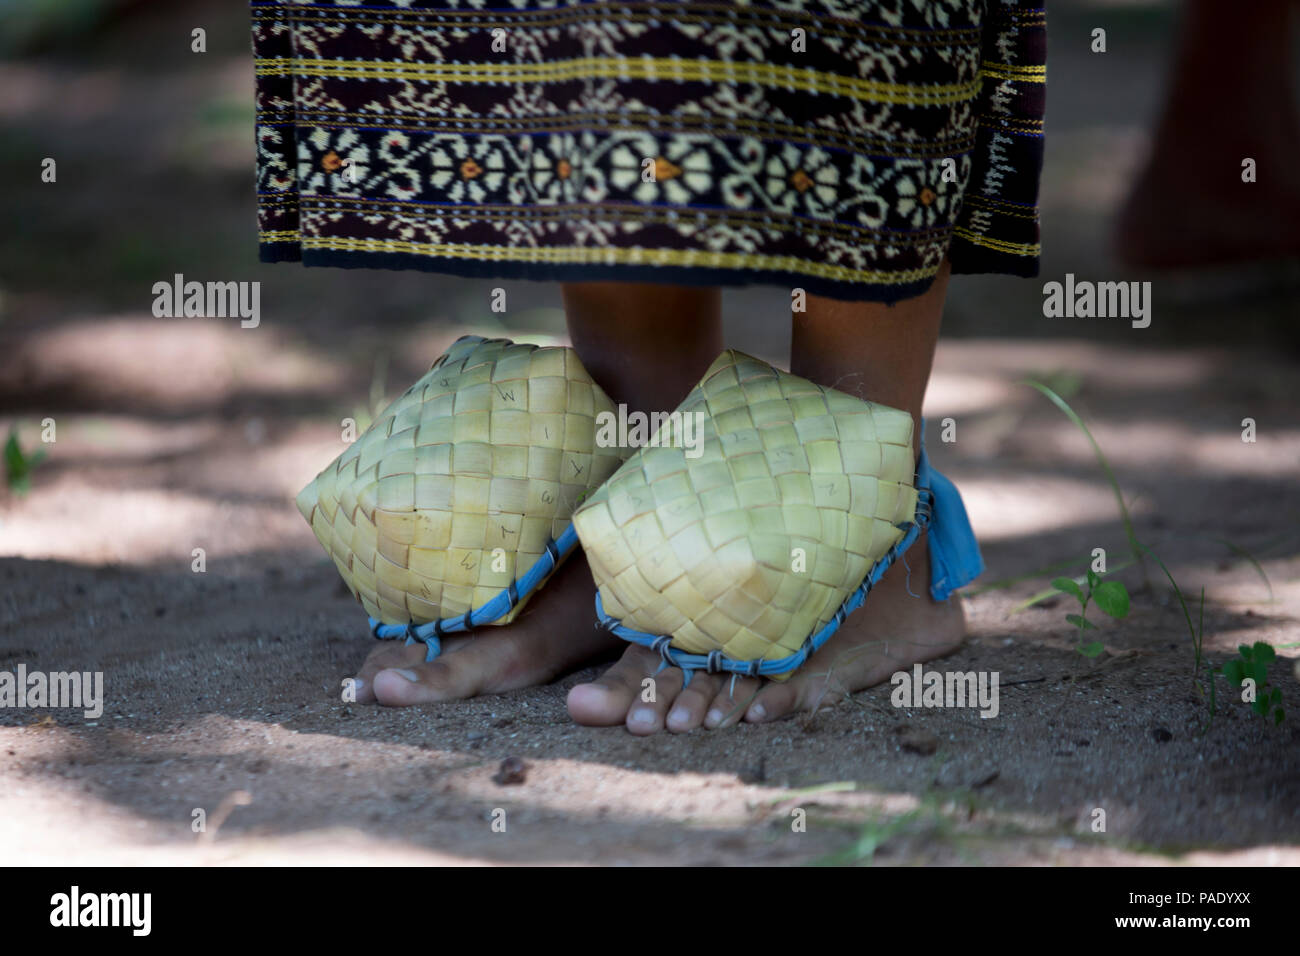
(755, 544)
(456, 488)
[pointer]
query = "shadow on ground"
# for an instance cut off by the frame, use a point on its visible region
(174, 435)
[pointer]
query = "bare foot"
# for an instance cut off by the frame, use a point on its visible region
(664, 337)
(891, 631)
(555, 633)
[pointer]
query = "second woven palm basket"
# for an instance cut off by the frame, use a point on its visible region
(744, 551)
(454, 506)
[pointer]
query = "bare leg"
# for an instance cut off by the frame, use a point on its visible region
(1229, 99)
(646, 345)
(883, 354)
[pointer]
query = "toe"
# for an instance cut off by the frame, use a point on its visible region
(688, 710)
(449, 677)
(772, 702)
(389, 654)
(605, 701)
(649, 716)
(731, 702)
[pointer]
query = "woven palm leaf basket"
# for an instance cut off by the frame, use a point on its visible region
(743, 547)
(455, 505)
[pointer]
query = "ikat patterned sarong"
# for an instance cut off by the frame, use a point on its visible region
(840, 146)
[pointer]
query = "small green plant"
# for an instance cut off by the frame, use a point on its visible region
(929, 821)
(1251, 664)
(1127, 519)
(19, 464)
(876, 832)
(1110, 596)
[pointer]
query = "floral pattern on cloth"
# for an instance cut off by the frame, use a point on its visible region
(842, 147)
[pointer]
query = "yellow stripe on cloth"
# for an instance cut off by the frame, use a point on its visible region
(577, 255)
(1021, 74)
(1015, 248)
(668, 69)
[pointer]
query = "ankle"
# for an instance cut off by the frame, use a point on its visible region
(655, 383)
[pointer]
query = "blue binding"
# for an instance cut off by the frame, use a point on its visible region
(499, 606)
(955, 561)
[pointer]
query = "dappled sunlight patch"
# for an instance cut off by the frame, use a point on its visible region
(1006, 507)
(45, 821)
(86, 439)
(75, 522)
(1208, 449)
(1106, 368)
(958, 393)
(312, 797)
(181, 364)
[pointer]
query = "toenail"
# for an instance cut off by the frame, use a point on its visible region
(412, 676)
(643, 716)
(714, 718)
(757, 712)
(358, 685)
(680, 715)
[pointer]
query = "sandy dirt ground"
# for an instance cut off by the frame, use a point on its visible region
(223, 687)
(229, 680)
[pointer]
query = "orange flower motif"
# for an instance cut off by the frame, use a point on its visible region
(331, 161)
(801, 181)
(928, 196)
(470, 169)
(563, 169)
(665, 170)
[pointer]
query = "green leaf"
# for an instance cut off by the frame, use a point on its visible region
(1279, 715)
(1259, 705)
(1264, 652)
(1259, 671)
(14, 461)
(1112, 597)
(1235, 671)
(1068, 586)
(1275, 698)
(1092, 650)
(1080, 622)
(1245, 651)
(18, 465)
(1092, 580)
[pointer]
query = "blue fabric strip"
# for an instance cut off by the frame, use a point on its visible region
(955, 558)
(498, 607)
